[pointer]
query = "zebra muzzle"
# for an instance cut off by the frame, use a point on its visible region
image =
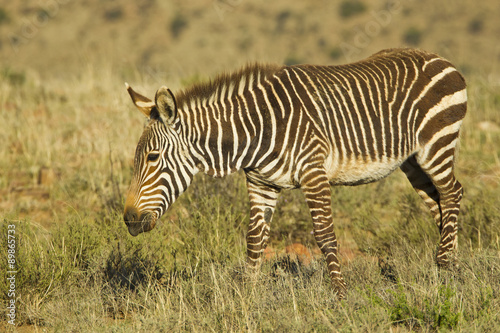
(137, 223)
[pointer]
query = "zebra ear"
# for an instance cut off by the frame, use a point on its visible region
(144, 104)
(166, 105)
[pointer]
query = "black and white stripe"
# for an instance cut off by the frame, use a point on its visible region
(308, 127)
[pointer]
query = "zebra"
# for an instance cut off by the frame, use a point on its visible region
(308, 127)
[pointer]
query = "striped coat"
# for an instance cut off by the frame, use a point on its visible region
(307, 127)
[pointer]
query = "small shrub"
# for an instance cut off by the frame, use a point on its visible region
(131, 268)
(475, 26)
(401, 312)
(442, 312)
(15, 78)
(177, 26)
(113, 14)
(43, 15)
(351, 8)
(293, 60)
(43, 266)
(413, 36)
(335, 53)
(4, 17)
(281, 20)
(245, 43)
(436, 312)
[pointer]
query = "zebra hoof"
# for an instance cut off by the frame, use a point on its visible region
(446, 260)
(340, 287)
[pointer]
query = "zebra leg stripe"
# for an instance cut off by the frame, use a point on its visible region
(450, 195)
(317, 193)
(262, 203)
(450, 206)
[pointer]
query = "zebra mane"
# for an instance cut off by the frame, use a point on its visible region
(227, 85)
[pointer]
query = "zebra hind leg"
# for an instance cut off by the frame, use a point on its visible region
(423, 186)
(317, 192)
(433, 179)
(262, 203)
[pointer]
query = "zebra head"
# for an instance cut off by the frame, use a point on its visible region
(163, 168)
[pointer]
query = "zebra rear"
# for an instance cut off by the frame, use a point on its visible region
(373, 115)
(308, 127)
(398, 108)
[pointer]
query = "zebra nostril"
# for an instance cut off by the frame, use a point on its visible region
(131, 215)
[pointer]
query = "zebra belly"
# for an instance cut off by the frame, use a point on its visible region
(359, 171)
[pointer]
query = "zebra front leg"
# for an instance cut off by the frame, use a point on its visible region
(262, 203)
(317, 192)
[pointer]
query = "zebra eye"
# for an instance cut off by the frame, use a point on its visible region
(153, 157)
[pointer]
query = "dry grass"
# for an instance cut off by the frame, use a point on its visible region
(79, 270)
(68, 140)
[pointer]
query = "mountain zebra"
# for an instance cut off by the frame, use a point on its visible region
(306, 127)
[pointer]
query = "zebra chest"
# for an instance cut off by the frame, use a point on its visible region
(357, 171)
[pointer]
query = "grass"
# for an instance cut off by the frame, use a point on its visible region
(102, 279)
(80, 270)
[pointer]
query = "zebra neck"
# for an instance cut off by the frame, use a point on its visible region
(221, 134)
(223, 118)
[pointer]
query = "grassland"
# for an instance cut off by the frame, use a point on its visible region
(67, 143)
(66, 167)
